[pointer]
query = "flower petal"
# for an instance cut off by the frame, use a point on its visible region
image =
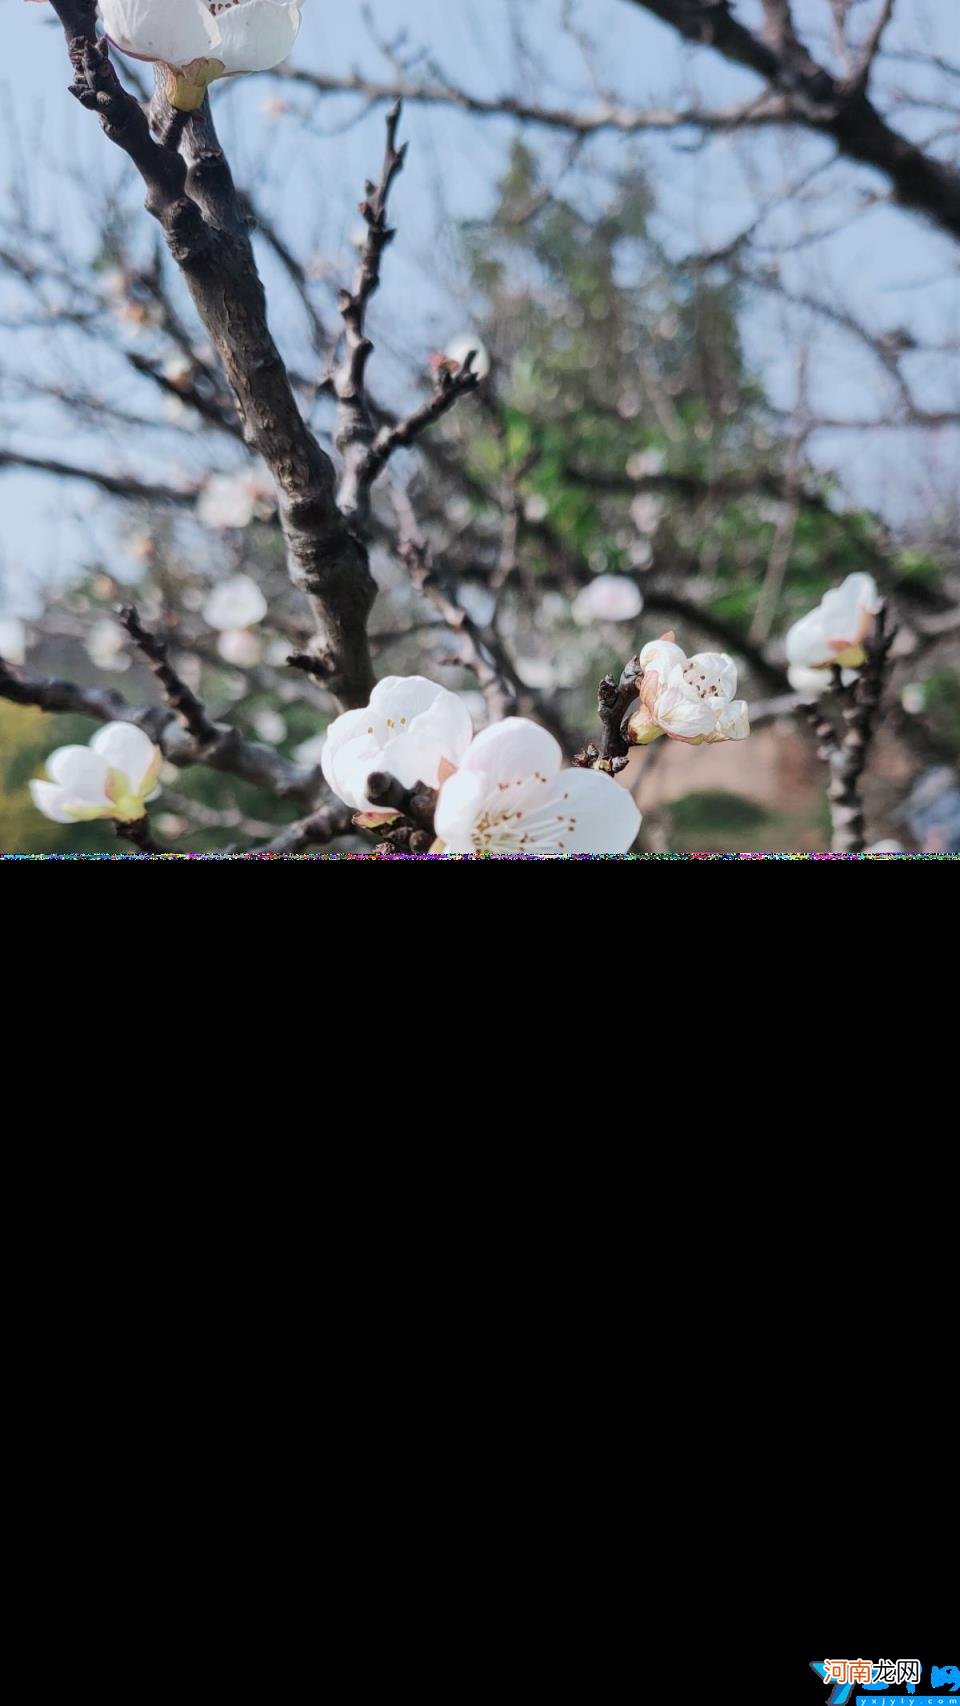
(439, 735)
(836, 629)
(351, 769)
(80, 772)
(412, 729)
(806, 642)
(809, 683)
(51, 801)
(662, 656)
(126, 748)
(404, 696)
(459, 809)
(171, 31)
(599, 816)
(682, 716)
(713, 670)
(733, 722)
(256, 34)
(512, 752)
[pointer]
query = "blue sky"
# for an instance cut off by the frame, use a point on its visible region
(888, 265)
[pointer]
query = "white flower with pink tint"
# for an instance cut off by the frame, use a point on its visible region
(412, 730)
(837, 631)
(241, 648)
(511, 795)
(690, 699)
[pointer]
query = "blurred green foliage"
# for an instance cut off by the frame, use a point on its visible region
(607, 352)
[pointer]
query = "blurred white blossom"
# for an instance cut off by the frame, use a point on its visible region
(646, 513)
(240, 647)
(270, 727)
(645, 462)
(170, 825)
(835, 632)
(235, 603)
(13, 639)
(233, 500)
(609, 598)
(459, 348)
(114, 777)
(810, 683)
(106, 645)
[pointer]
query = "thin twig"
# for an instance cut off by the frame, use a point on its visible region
(182, 701)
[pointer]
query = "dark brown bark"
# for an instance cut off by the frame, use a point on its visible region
(229, 752)
(813, 97)
(191, 194)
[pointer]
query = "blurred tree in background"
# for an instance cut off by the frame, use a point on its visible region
(625, 437)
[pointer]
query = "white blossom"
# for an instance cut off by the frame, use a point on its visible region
(233, 500)
(235, 603)
(609, 598)
(238, 646)
(270, 727)
(171, 825)
(178, 371)
(227, 500)
(689, 699)
(13, 639)
(510, 795)
(106, 645)
(201, 40)
(643, 463)
(810, 683)
(834, 633)
(113, 777)
(459, 348)
(646, 513)
(412, 729)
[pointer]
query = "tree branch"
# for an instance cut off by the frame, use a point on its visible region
(812, 97)
(228, 752)
(191, 193)
(847, 749)
(317, 830)
(450, 388)
(625, 120)
(118, 485)
(354, 429)
(182, 701)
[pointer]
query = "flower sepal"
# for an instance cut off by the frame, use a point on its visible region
(377, 821)
(187, 85)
